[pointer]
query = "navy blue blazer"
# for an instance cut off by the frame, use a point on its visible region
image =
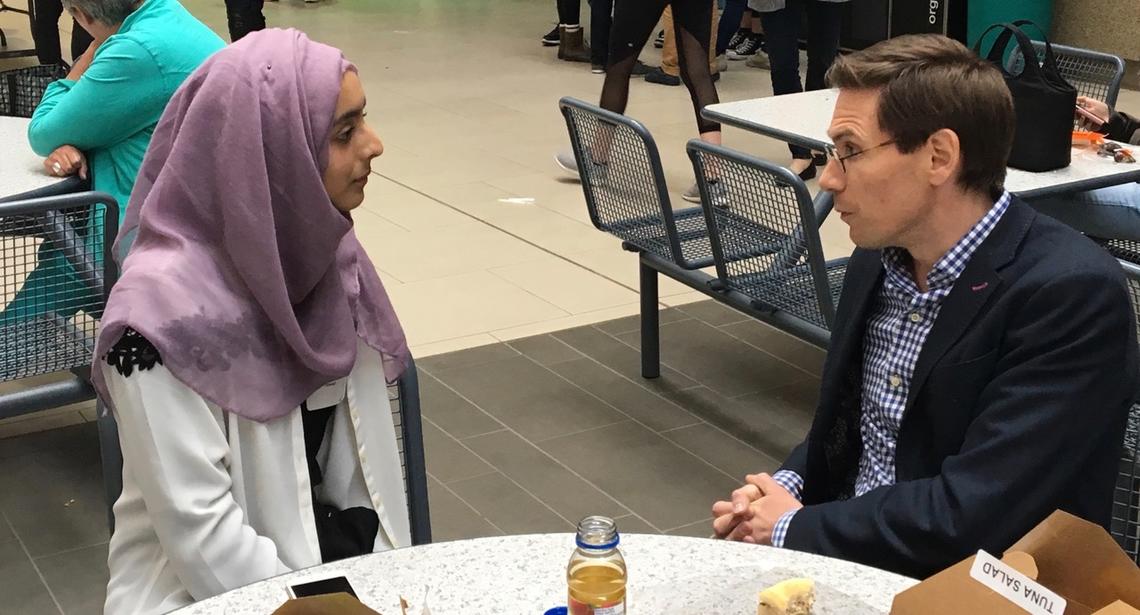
(1017, 406)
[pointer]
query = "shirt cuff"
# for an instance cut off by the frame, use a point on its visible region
(780, 532)
(791, 481)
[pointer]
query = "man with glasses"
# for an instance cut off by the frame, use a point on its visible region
(983, 357)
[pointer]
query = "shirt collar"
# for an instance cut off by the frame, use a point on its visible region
(949, 268)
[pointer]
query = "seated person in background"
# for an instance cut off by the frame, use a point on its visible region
(101, 118)
(1108, 213)
(983, 357)
(245, 350)
(106, 109)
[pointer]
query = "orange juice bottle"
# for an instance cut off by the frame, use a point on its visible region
(596, 574)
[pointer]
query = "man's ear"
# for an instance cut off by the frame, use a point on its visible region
(945, 156)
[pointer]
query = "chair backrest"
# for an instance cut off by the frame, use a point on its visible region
(56, 275)
(764, 232)
(622, 179)
(404, 397)
(1125, 525)
(1094, 74)
(22, 88)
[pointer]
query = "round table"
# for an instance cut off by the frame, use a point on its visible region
(22, 174)
(520, 575)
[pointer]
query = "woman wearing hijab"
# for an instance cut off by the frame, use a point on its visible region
(246, 348)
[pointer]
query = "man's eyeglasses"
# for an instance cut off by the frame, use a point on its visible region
(833, 153)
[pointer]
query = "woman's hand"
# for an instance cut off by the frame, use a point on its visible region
(83, 62)
(66, 161)
(1095, 107)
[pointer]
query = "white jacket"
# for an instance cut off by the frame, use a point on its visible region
(212, 501)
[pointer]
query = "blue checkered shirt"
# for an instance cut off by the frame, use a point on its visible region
(901, 320)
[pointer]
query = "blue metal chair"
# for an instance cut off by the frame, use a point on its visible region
(625, 190)
(405, 400)
(1125, 524)
(21, 89)
(749, 203)
(56, 275)
(1094, 74)
(626, 196)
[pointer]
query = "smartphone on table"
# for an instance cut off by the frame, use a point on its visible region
(318, 587)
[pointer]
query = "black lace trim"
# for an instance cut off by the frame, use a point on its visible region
(132, 350)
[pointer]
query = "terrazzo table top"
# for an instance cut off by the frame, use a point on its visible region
(803, 119)
(22, 174)
(521, 575)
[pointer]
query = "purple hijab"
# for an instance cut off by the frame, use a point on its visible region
(249, 282)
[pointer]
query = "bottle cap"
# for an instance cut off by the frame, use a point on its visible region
(558, 610)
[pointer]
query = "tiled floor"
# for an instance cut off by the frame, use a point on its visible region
(525, 436)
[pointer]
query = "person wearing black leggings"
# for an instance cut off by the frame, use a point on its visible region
(45, 32)
(633, 24)
(571, 41)
(781, 20)
(243, 17)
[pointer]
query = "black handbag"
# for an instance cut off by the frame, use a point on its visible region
(1043, 101)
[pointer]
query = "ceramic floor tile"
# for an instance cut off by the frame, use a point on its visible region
(508, 506)
(466, 305)
(720, 361)
(21, 590)
(529, 398)
(554, 231)
(451, 413)
(650, 475)
(543, 477)
(622, 266)
(566, 322)
(445, 251)
(567, 285)
(447, 459)
(454, 519)
(53, 497)
(77, 579)
(545, 350)
(428, 349)
(408, 209)
(40, 421)
(730, 455)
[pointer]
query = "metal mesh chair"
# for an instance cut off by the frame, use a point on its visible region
(404, 397)
(1125, 525)
(743, 194)
(55, 277)
(625, 188)
(1094, 74)
(1124, 249)
(22, 88)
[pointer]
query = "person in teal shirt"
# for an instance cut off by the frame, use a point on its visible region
(101, 118)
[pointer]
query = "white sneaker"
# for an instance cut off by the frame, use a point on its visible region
(722, 63)
(717, 194)
(564, 158)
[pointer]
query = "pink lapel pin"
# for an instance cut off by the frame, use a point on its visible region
(979, 287)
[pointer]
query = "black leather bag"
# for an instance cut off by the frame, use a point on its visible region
(1043, 100)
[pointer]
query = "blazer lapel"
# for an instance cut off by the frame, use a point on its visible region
(972, 290)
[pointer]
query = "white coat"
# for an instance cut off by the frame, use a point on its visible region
(212, 501)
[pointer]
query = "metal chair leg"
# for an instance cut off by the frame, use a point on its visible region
(650, 324)
(112, 458)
